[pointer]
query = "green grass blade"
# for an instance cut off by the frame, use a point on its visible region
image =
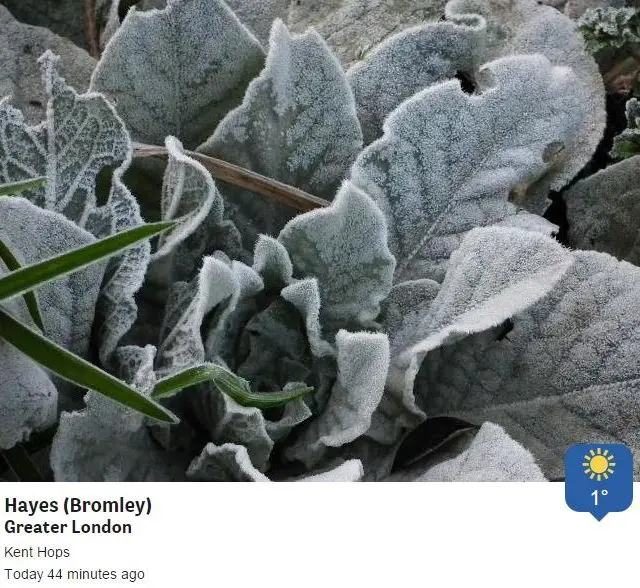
(32, 276)
(228, 383)
(9, 259)
(77, 370)
(22, 186)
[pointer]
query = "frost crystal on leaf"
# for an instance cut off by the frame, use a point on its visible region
(225, 463)
(427, 287)
(68, 303)
(178, 71)
(189, 195)
(21, 77)
(567, 372)
(603, 211)
(349, 471)
(495, 273)
(627, 143)
(345, 248)
(297, 124)
(79, 137)
(448, 161)
(363, 359)
(109, 442)
(116, 308)
(409, 62)
(182, 344)
(527, 27)
(28, 398)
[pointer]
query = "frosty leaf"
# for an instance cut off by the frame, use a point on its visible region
(108, 442)
(494, 274)
(225, 463)
(20, 77)
(67, 304)
(363, 359)
(271, 260)
(178, 71)
(402, 312)
(349, 471)
(344, 247)
(116, 307)
(189, 195)
(182, 344)
(603, 211)
(567, 372)
(305, 296)
(297, 124)
(529, 222)
(492, 456)
(22, 280)
(226, 421)
(28, 398)
(627, 143)
(213, 234)
(404, 308)
(244, 284)
(273, 349)
(449, 161)
(527, 27)
(376, 458)
(407, 63)
(295, 413)
(81, 135)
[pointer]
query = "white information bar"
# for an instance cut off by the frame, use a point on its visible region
(308, 535)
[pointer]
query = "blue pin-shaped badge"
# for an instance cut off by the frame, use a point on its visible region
(598, 478)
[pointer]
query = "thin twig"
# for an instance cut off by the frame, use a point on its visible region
(90, 29)
(244, 178)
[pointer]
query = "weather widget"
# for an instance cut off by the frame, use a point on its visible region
(598, 478)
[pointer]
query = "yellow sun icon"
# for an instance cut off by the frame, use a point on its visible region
(599, 464)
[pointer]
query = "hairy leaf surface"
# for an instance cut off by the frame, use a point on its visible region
(80, 135)
(448, 161)
(409, 62)
(603, 211)
(297, 124)
(66, 304)
(528, 27)
(21, 77)
(345, 248)
(496, 273)
(362, 366)
(224, 463)
(189, 195)
(28, 398)
(116, 309)
(178, 71)
(567, 372)
(108, 442)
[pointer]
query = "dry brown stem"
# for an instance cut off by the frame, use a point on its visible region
(244, 178)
